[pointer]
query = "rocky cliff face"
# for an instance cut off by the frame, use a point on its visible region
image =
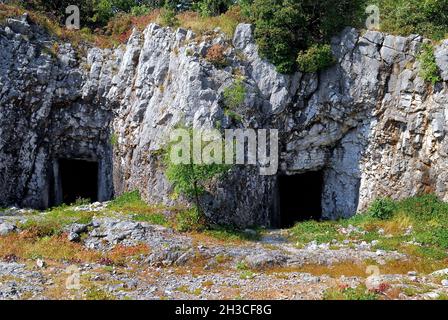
(370, 123)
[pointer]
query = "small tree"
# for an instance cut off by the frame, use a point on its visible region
(190, 179)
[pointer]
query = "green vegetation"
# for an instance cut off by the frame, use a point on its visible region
(190, 220)
(428, 67)
(285, 28)
(382, 209)
(189, 178)
(235, 94)
(114, 140)
(318, 57)
(209, 8)
(55, 220)
(358, 293)
(233, 234)
(168, 15)
(321, 232)
(393, 224)
(428, 18)
(292, 34)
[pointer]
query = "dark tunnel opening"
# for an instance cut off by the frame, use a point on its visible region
(300, 198)
(78, 180)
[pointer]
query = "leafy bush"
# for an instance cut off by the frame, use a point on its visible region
(235, 94)
(286, 27)
(140, 10)
(429, 18)
(429, 70)
(316, 58)
(382, 209)
(215, 55)
(168, 16)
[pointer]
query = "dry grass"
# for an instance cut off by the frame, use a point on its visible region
(55, 248)
(396, 226)
(76, 37)
(227, 22)
(120, 255)
(119, 29)
(350, 269)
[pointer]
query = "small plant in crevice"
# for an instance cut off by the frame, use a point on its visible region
(235, 94)
(113, 139)
(429, 71)
(233, 97)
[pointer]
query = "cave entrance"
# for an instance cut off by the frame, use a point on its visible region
(78, 180)
(300, 198)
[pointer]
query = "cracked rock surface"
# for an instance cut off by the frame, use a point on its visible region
(370, 123)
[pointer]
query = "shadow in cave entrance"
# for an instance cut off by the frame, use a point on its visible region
(300, 198)
(78, 180)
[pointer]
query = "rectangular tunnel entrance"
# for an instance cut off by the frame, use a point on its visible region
(78, 180)
(300, 198)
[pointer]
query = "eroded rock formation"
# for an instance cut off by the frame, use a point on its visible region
(369, 123)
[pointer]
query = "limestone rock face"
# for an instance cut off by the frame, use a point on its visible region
(369, 123)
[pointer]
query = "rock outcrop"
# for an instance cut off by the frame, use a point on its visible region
(369, 123)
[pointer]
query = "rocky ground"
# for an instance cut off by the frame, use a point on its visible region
(113, 256)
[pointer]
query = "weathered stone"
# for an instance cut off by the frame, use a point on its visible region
(266, 260)
(369, 123)
(6, 228)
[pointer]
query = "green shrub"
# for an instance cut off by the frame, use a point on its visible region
(428, 67)
(436, 236)
(428, 18)
(235, 94)
(382, 209)
(168, 16)
(140, 10)
(286, 27)
(316, 58)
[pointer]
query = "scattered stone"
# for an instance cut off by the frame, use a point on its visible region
(41, 263)
(442, 272)
(6, 228)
